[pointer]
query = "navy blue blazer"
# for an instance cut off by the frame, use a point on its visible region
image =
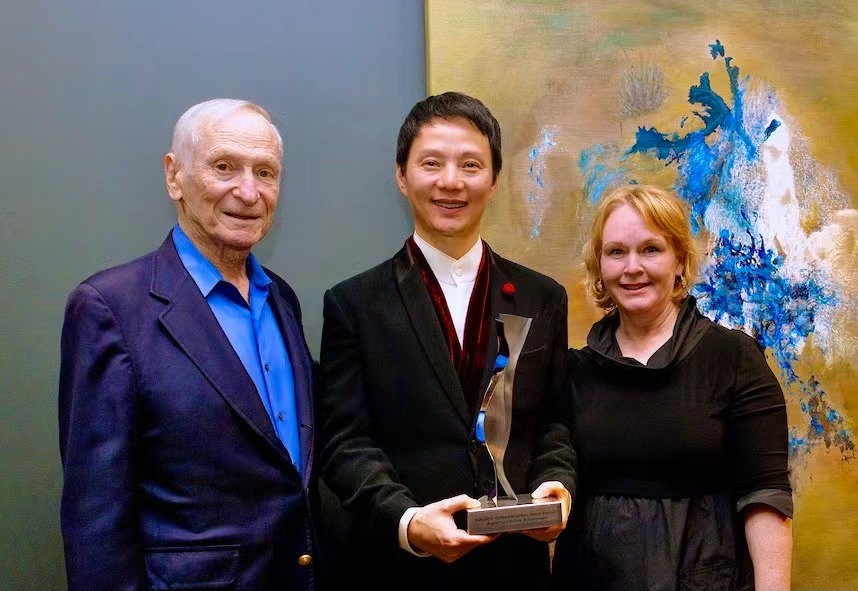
(173, 476)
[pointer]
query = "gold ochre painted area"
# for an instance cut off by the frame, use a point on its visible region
(562, 65)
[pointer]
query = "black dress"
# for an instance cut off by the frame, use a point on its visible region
(670, 453)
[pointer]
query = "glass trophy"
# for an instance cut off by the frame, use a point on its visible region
(508, 511)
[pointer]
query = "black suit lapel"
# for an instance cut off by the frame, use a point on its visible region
(500, 304)
(190, 321)
(418, 304)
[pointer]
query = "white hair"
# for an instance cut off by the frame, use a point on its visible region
(186, 134)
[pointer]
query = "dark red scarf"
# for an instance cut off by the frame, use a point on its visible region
(470, 359)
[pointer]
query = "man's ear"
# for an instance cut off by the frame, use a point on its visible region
(172, 170)
(494, 189)
(400, 180)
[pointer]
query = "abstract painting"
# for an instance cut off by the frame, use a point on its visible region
(749, 111)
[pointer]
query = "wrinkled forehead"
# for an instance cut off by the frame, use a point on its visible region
(241, 130)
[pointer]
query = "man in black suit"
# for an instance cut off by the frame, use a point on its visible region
(408, 348)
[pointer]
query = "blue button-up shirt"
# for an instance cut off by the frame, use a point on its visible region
(254, 334)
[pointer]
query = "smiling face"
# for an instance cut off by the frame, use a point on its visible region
(448, 182)
(227, 195)
(638, 265)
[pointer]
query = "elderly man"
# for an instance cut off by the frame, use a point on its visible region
(185, 410)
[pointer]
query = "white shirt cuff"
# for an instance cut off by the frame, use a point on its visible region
(403, 533)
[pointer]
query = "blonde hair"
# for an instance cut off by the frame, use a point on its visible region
(661, 209)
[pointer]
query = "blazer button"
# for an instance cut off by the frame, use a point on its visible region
(305, 559)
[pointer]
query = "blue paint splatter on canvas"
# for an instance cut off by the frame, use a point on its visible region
(745, 284)
(536, 202)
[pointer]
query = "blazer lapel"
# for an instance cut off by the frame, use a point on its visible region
(302, 377)
(500, 304)
(421, 312)
(190, 321)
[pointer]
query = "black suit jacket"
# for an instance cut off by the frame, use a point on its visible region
(397, 429)
(173, 475)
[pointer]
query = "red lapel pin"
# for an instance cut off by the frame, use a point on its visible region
(508, 289)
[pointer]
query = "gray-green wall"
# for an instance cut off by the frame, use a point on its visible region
(89, 92)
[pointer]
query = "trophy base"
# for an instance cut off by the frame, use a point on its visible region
(511, 515)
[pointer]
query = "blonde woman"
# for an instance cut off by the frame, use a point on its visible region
(680, 424)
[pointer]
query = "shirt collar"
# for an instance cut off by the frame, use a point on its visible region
(203, 272)
(449, 270)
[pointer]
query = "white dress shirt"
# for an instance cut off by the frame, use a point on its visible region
(456, 277)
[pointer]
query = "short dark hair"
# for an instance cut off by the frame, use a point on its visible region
(448, 106)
